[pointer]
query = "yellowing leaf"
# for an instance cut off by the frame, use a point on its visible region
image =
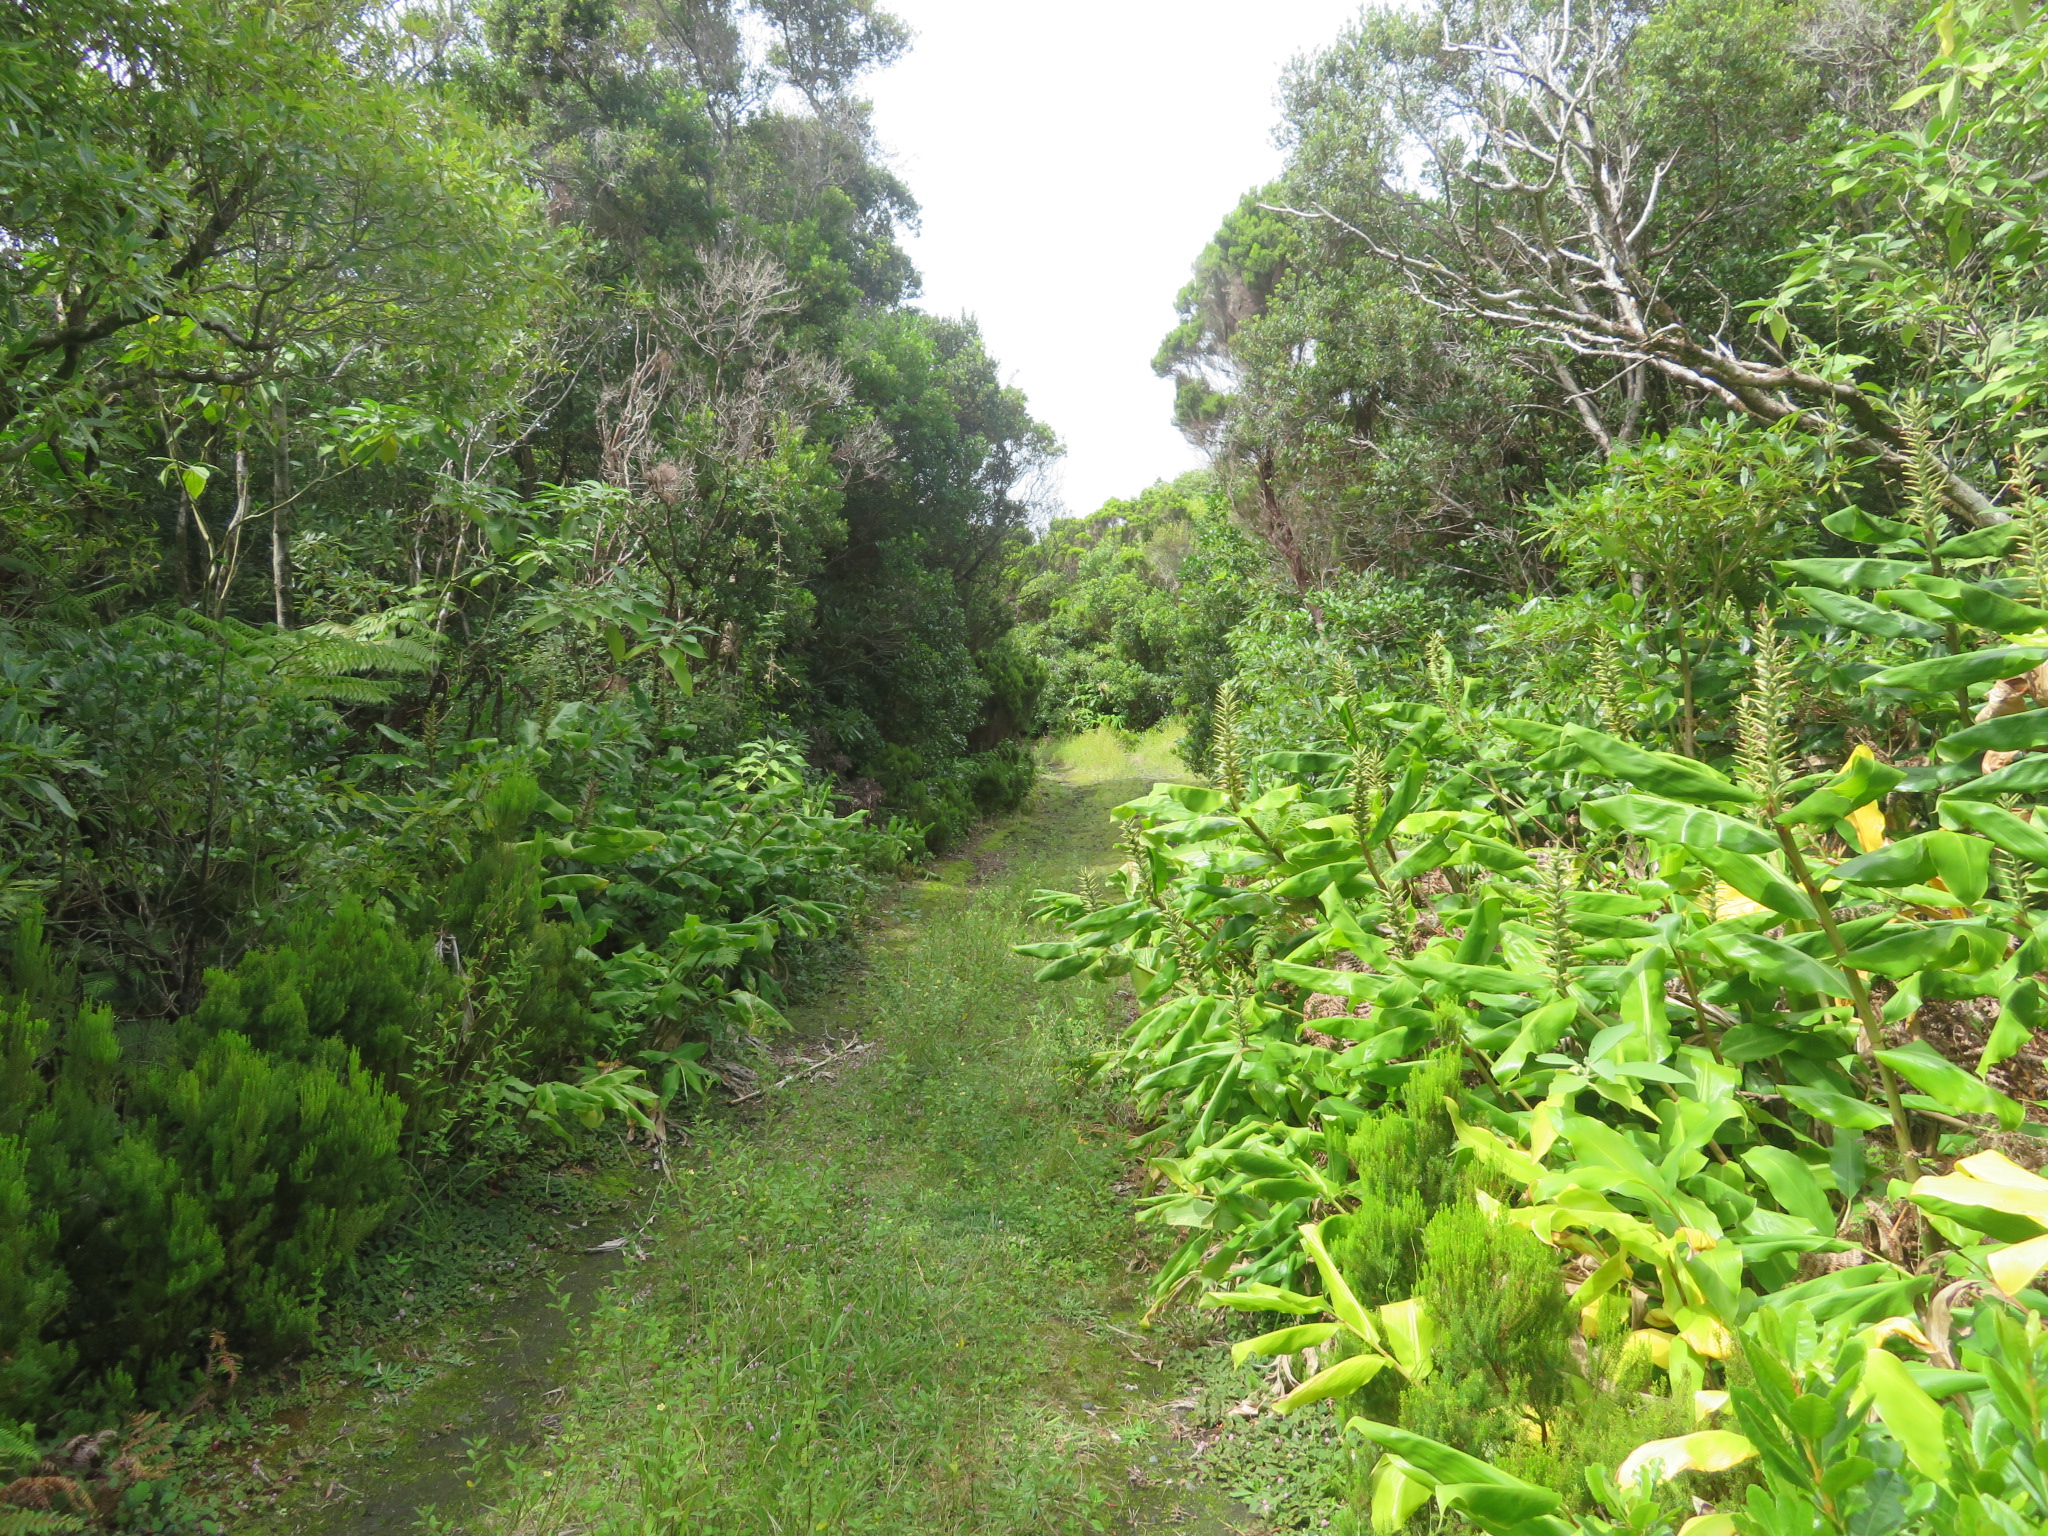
(1705, 1404)
(1397, 1492)
(1708, 1525)
(1706, 1450)
(1658, 1344)
(1907, 1328)
(1867, 822)
(1707, 1334)
(1997, 1168)
(1729, 902)
(2013, 1268)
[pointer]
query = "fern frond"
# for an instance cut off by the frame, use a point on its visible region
(341, 690)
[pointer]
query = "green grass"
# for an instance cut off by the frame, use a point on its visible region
(893, 1306)
(1105, 756)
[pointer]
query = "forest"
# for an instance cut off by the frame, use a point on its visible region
(539, 695)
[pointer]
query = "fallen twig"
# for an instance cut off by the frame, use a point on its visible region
(815, 1067)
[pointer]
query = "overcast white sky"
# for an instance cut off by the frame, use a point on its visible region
(1073, 157)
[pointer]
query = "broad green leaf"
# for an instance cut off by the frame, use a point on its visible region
(1860, 527)
(1284, 1341)
(1939, 674)
(1410, 1337)
(1758, 881)
(1962, 864)
(2028, 776)
(1396, 1494)
(1067, 968)
(1661, 773)
(1862, 572)
(1960, 1091)
(1468, 979)
(1495, 1507)
(1311, 883)
(1339, 1380)
(1433, 1459)
(1261, 1297)
(1980, 543)
(1837, 1109)
(1904, 949)
(1342, 1304)
(1407, 793)
(1359, 986)
(1979, 606)
(1688, 826)
(2018, 837)
(1778, 964)
(2023, 1009)
(1861, 780)
(1914, 1418)
(2019, 732)
(1426, 855)
(1866, 618)
(1542, 1028)
(1792, 1182)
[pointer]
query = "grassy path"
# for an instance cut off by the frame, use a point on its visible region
(899, 1301)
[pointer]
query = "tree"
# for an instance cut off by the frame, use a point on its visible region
(1554, 199)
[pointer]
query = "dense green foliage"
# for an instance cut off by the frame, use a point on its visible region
(1596, 997)
(491, 567)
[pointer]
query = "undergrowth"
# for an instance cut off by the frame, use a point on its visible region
(861, 1320)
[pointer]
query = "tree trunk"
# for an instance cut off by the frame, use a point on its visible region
(280, 512)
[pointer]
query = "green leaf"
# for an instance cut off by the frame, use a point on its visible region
(1980, 543)
(194, 477)
(1861, 572)
(1062, 970)
(1261, 1297)
(1837, 1109)
(1661, 773)
(1962, 863)
(1860, 527)
(1410, 1336)
(1902, 950)
(1495, 1507)
(2023, 1010)
(1960, 1092)
(1778, 964)
(1866, 618)
(1339, 1380)
(1940, 674)
(2028, 776)
(1758, 881)
(1433, 1458)
(1359, 986)
(1467, 979)
(2019, 732)
(1406, 794)
(1342, 1304)
(1688, 826)
(1284, 1341)
(1980, 606)
(1914, 1418)
(1861, 780)
(1793, 1185)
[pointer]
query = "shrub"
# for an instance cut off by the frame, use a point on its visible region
(143, 1208)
